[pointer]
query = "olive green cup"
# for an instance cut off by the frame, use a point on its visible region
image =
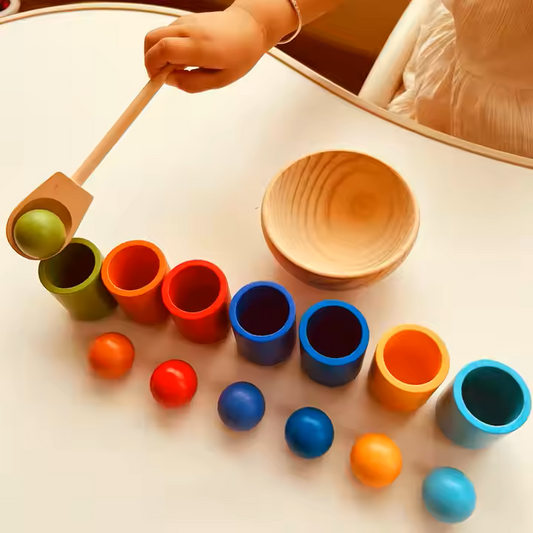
(73, 278)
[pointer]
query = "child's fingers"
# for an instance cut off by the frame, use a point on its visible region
(174, 51)
(155, 36)
(196, 81)
(181, 20)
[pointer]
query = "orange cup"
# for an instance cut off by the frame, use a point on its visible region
(133, 273)
(410, 363)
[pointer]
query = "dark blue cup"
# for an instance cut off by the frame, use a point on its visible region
(333, 341)
(263, 318)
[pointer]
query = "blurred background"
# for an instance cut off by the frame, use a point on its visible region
(352, 35)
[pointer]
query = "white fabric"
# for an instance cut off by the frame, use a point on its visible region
(471, 73)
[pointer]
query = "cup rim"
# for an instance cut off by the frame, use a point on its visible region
(291, 318)
(397, 257)
(429, 386)
(479, 424)
(117, 291)
(358, 353)
(48, 285)
(194, 315)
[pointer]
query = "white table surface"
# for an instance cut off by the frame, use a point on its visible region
(77, 455)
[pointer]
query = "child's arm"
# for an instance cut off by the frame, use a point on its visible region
(225, 45)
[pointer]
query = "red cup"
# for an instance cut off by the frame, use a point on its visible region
(197, 295)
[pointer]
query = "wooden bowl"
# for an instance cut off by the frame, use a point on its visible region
(339, 220)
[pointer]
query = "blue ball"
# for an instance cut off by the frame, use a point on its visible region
(449, 495)
(241, 406)
(309, 432)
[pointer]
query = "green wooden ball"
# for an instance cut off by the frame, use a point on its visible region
(40, 233)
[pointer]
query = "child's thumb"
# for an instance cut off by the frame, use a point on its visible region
(199, 80)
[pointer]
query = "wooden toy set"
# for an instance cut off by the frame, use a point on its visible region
(337, 220)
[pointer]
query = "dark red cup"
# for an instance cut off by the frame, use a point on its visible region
(197, 296)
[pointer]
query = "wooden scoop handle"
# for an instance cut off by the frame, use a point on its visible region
(120, 126)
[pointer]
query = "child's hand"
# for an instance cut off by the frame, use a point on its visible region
(224, 45)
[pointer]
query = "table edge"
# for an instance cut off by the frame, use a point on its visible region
(308, 73)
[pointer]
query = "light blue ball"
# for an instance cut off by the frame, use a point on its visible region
(449, 495)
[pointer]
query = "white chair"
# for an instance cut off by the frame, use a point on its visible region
(385, 78)
(13, 8)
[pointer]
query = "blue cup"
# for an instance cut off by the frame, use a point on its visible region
(333, 341)
(486, 401)
(263, 318)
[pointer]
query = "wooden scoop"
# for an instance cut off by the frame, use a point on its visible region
(65, 196)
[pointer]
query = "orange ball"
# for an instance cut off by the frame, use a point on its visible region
(111, 355)
(375, 460)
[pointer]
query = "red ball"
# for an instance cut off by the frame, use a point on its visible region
(173, 383)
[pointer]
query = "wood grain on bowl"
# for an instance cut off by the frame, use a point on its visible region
(339, 219)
